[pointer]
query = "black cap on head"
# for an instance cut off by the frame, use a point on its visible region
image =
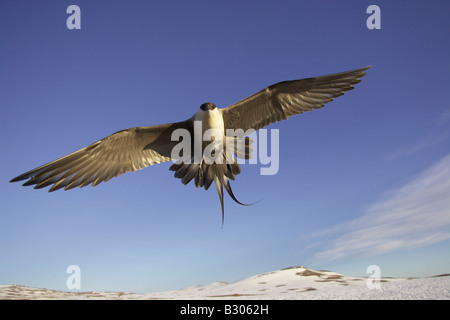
(207, 106)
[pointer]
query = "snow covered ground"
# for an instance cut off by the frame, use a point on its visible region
(294, 283)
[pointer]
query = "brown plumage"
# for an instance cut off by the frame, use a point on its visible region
(135, 148)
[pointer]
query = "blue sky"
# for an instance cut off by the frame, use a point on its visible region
(363, 181)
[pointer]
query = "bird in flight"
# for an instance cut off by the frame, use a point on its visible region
(135, 148)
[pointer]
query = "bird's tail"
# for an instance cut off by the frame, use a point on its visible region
(204, 174)
(225, 182)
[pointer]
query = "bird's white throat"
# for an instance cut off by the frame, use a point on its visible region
(211, 119)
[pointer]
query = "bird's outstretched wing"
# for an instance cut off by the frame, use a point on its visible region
(284, 99)
(127, 150)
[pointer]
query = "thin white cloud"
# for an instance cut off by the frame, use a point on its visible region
(432, 140)
(438, 134)
(418, 214)
(444, 117)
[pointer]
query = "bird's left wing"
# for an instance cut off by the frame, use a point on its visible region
(284, 99)
(127, 150)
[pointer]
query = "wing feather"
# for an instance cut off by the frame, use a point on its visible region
(285, 99)
(127, 150)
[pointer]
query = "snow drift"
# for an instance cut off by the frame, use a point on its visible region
(294, 283)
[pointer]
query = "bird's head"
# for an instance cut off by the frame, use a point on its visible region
(208, 106)
(207, 112)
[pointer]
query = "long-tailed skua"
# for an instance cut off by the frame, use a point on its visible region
(135, 148)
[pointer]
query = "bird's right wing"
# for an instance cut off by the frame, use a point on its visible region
(285, 99)
(127, 150)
